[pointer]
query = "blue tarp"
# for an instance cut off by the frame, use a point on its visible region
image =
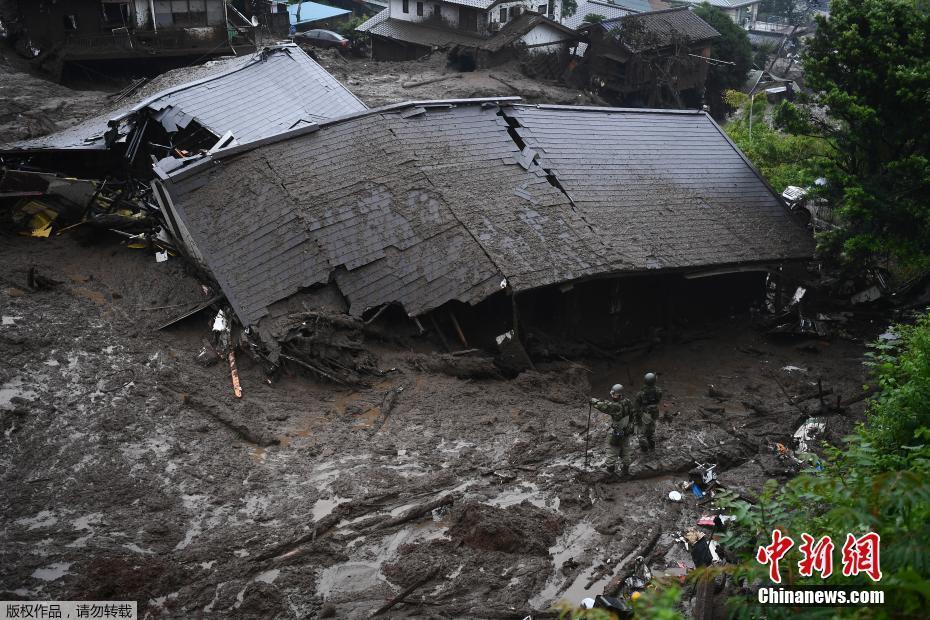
(312, 12)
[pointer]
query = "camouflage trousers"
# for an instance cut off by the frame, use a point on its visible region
(619, 451)
(646, 430)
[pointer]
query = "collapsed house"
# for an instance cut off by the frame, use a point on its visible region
(225, 102)
(657, 59)
(488, 31)
(97, 172)
(485, 214)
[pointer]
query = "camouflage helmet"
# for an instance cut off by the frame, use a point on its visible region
(616, 389)
(650, 378)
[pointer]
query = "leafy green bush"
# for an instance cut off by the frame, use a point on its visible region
(902, 404)
(783, 159)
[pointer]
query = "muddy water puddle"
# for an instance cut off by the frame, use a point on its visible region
(14, 388)
(340, 581)
(578, 544)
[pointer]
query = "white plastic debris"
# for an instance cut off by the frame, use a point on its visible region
(870, 294)
(161, 257)
(220, 324)
(505, 337)
(793, 369)
(798, 295)
(808, 432)
(587, 603)
(675, 496)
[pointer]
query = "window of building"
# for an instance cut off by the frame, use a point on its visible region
(406, 6)
(503, 15)
(183, 13)
(437, 10)
(541, 9)
(420, 9)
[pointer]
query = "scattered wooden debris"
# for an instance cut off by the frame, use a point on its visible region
(407, 591)
(441, 78)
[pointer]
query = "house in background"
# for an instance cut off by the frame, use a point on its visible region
(409, 29)
(654, 59)
(742, 12)
(609, 9)
(122, 29)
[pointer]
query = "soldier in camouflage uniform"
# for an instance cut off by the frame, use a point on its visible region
(647, 410)
(620, 410)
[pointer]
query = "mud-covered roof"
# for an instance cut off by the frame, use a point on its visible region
(253, 96)
(420, 34)
(661, 28)
(418, 205)
(670, 187)
(427, 202)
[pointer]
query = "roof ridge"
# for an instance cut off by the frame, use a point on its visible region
(648, 13)
(588, 108)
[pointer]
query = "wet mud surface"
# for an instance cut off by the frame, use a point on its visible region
(126, 473)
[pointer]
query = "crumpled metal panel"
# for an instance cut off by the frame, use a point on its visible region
(254, 97)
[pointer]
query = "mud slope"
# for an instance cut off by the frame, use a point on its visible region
(131, 472)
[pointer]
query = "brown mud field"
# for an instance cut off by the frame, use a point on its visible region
(131, 472)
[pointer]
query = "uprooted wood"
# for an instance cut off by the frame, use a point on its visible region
(330, 346)
(504, 82)
(441, 78)
(387, 404)
(348, 510)
(216, 412)
(411, 514)
(625, 569)
(407, 591)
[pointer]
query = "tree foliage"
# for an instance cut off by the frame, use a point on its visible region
(901, 369)
(783, 159)
(732, 46)
(795, 11)
(569, 7)
(869, 65)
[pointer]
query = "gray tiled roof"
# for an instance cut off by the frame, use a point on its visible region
(421, 34)
(667, 189)
(253, 96)
(723, 4)
(661, 28)
(427, 202)
(418, 209)
(607, 10)
(374, 20)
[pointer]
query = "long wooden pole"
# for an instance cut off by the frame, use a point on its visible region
(587, 435)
